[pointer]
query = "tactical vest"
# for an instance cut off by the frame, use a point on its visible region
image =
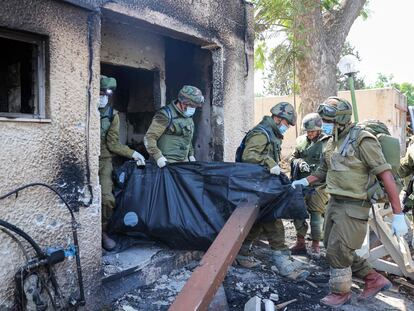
(107, 115)
(273, 148)
(311, 152)
(347, 175)
(176, 141)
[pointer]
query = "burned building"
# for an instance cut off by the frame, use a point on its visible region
(52, 55)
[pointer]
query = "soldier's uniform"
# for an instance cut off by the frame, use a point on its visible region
(349, 167)
(259, 150)
(171, 131)
(110, 146)
(316, 198)
(406, 169)
(263, 146)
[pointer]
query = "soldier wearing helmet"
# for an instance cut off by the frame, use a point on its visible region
(304, 161)
(110, 146)
(263, 146)
(350, 169)
(169, 137)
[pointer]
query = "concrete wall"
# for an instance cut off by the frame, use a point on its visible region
(387, 105)
(63, 149)
(54, 151)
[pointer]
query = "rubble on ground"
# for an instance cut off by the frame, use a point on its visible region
(242, 284)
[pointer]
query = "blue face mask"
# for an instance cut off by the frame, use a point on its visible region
(189, 112)
(283, 128)
(328, 128)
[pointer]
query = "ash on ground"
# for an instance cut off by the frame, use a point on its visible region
(241, 284)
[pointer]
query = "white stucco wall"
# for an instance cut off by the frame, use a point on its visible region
(53, 152)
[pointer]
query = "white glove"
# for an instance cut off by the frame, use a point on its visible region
(399, 226)
(139, 158)
(303, 182)
(161, 162)
(275, 170)
(304, 167)
(192, 159)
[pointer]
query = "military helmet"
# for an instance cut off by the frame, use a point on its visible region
(312, 122)
(191, 95)
(108, 83)
(285, 111)
(336, 109)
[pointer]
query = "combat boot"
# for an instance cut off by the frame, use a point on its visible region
(315, 248)
(287, 267)
(245, 257)
(340, 282)
(300, 247)
(374, 283)
(107, 243)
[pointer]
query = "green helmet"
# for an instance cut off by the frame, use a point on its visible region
(108, 83)
(285, 111)
(191, 95)
(312, 122)
(336, 109)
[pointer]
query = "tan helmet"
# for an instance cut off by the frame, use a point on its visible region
(285, 111)
(312, 122)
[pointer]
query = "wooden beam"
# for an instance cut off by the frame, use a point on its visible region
(200, 288)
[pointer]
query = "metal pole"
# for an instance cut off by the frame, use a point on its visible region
(352, 89)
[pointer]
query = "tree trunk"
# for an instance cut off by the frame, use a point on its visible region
(320, 38)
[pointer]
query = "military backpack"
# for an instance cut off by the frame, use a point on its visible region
(240, 149)
(390, 147)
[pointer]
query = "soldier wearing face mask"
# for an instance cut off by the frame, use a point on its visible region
(110, 146)
(169, 137)
(263, 146)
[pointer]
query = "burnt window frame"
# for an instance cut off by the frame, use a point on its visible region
(39, 76)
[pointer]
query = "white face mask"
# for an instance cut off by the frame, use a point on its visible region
(103, 101)
(189, 112)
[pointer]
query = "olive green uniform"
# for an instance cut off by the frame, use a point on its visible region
(170, 135)
(316, 199)
(406, 169)
(259, 150)
(349, 172)
(110, 146)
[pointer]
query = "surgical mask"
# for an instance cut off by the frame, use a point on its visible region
(103, 101)
(283, 128)
(189, 112)
(328, 128)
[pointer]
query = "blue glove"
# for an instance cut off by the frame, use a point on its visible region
(303, 182)
(399, 226)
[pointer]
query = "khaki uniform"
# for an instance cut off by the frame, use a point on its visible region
(110, 146)
(316, 199)
(259, 150)
(170, 135)
(349, 172)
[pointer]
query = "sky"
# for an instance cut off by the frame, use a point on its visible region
(384, 41)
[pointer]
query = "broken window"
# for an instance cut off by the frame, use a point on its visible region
(21, 75)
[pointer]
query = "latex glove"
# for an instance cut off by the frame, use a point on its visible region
(399, 226)
(139, 158)
(303, 182)
(304, 167)
(275, 170)
(192, 159)
(161, 162)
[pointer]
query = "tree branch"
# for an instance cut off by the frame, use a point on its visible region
(337, 23)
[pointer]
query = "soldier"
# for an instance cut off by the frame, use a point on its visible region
(110, 146)
(349, 168)
(304, 161)
(263, 146)
(406, 169)
(169, 137)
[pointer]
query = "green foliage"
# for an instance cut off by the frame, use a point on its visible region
(260, 56)
(405, 88)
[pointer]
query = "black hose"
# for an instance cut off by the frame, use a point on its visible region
(81, 300)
